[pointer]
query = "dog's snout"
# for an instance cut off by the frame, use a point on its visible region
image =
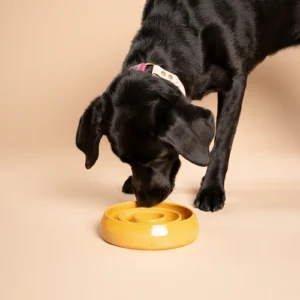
(149, 198)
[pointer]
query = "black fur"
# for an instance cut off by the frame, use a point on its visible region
(212, 46)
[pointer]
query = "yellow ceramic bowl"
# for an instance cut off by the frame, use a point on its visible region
(164, 226)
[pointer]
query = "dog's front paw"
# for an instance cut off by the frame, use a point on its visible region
(210, 199)
(127, 187)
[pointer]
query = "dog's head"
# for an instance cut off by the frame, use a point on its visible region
(149, 123)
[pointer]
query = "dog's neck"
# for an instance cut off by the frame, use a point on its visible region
(158, 71)
(160, 57)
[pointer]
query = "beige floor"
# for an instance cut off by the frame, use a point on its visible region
(57, 55)
(50, 210)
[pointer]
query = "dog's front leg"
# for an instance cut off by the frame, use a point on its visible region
(211, 196)
(127, 186)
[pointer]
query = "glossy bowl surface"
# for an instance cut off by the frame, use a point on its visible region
(165, 226)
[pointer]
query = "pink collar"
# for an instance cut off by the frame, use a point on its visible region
(160, 72)
(141, 67)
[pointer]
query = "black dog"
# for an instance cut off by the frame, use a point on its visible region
(211, 46)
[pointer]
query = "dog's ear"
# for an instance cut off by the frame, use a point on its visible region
(190, 130)
(90, 132)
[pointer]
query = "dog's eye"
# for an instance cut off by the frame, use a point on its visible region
(145, 162)
(157, 161)
(163, 156)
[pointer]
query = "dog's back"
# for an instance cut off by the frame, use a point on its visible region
(258, 27)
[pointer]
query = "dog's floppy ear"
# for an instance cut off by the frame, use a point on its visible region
(89, 132)
(190, 130)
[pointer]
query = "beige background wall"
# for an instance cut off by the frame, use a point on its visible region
(56, 56)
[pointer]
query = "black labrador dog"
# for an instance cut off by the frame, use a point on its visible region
(184, 50)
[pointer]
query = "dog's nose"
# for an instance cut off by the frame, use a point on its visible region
(151, 197)
(146, 199)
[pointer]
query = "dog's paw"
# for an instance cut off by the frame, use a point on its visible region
(210, 199)
(127, 187)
